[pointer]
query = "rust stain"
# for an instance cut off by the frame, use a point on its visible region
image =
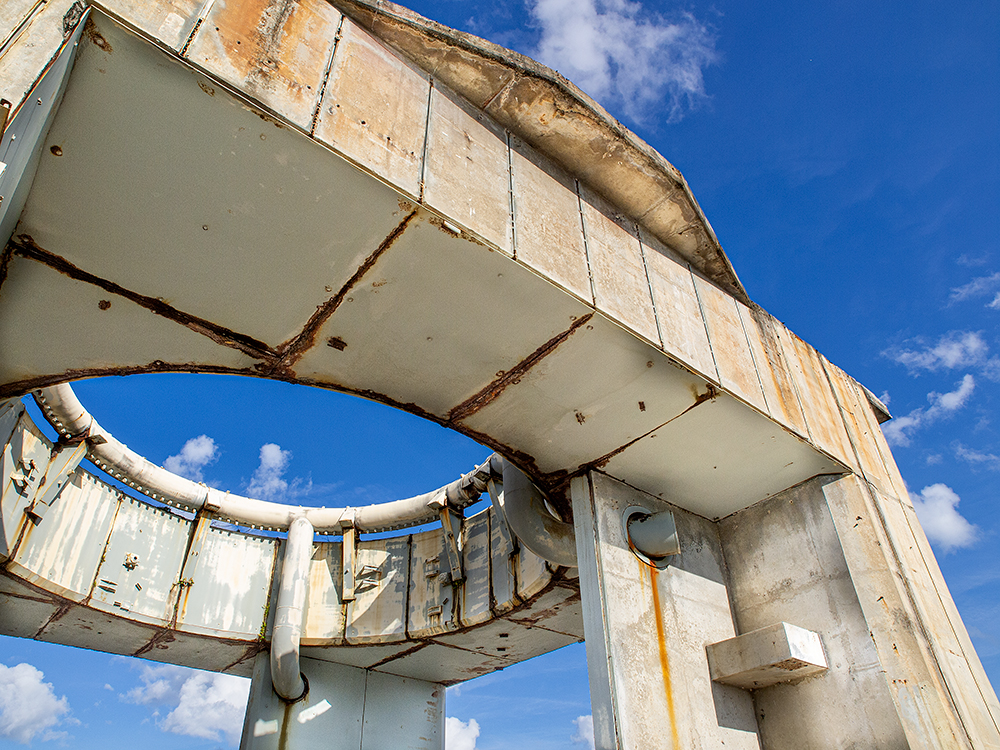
(8, 251)
(91, 32)
(492, 392)
(104, 304)
(25, 247)
(662, 645)
(335, 342)
(64, 607)
(291, 351)
(206, 88)
(56, 150)
(160, 640)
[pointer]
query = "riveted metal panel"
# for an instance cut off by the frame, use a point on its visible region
(324, 614)
(730, 348)
(502, 561)
(374, 109)
(419, 350)
(548, 233)
(822, 415)
(433, 595)
(533, 573)
(772, 368)
(277, 51)
(378, 613)
(621, 287)
(466, 173)
(141, 563)
(130, 335)
(678, 314)
(474, 602)
(226, 582)
(720, 457)
(63, 551)
(170, 22)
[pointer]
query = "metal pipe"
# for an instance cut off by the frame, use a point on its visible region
(535, 526)
(290, 611)
(64, 410)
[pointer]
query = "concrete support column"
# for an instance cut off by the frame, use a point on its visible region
(647, 629)
(345, 708)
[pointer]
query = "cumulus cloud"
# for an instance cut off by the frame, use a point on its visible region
(269, 483)
(937, 509)
(980, 286)
(899, 431)
(626, 56)
(584, 731)
(28, 706)
(196, 454)
(202, 704)
(460, 735)
(953, 350)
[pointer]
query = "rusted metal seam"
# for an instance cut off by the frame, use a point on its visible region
(202, 15)
(649, 285)
(586, 243)
(199, 516)
(427, 136)
(251, 651)
(493, 391)
(18, 388)
(162, 635)
(14, 35)
(26, 248)
(710, 394)
(753, 359)
(704, 322)
(400, 655)
(326, 77)
(104, 547)
(291, 351)
(54, 617)
(8, 252)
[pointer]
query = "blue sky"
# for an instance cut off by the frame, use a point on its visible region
(847, 155)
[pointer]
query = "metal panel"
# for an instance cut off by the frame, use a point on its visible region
(433, 594)
(730, 347)
(437, 663)
(402, 713)
(62, 553)
(621, 286)
(324, 614)
(141, 563)
(474, 606)
(533, 573)
(548, 233)
(557, 610)
(509, 640)
(772, 368)
(502, 561)
(23, 62)
(374, 109)
(399, 332)
(170, 22)
(466, 174)
(717, 458)
(378, 613)
(277, 51)
(13, 13)
(226, 582)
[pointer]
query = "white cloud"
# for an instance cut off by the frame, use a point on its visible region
(953, 350)
(899, 431)
(28, 706)
(268, 482)
(936, 507)
(460, 735)
(202, 704)
(977, 458)
(584, 731)
(978, 287)
(196, 454)
(623, 54)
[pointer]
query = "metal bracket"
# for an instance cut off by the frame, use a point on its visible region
(448, 521)
(498, 513)
(62, 463)
(350, 555)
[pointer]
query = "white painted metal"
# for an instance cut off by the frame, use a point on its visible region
(290, 611)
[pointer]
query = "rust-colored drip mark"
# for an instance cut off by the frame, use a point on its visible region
(64, 607)
(291, 351)
(159, 639)
(5, 262)
(492, 392)
(25, 247)
(662, 644)
(95, 36)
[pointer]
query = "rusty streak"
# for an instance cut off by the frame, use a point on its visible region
(492, 392)
(25, 247)
(291, 351)
(160, 636)
(54, 617)
(5, 262)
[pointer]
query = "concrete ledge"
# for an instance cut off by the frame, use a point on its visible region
(771, 655)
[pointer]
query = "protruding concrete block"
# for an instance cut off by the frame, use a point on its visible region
(778, 653)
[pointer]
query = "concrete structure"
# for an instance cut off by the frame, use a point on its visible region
(345, 195)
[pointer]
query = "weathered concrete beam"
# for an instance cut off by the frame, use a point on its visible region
(768, 656)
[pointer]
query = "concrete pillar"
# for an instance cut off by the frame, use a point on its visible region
(647, 629)
(345, 708)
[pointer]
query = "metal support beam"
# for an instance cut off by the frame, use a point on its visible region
(285, 671)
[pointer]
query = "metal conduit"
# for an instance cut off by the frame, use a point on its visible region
(290, 611)
(64, 410)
